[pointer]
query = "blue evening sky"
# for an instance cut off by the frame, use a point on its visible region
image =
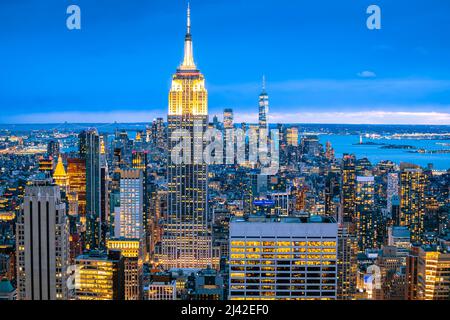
(321, 62)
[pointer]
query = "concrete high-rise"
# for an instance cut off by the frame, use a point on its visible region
(42, 244)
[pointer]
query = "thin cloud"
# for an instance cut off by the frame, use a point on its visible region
(368, 117)
(367, 74)
(404, 85)
(86, 117)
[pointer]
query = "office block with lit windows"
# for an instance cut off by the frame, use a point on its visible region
(433, 273)
(161, 286)
(100, 276)
(283, 258)
(132, 252)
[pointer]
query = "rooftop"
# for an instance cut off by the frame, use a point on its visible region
(270, 219)
(6, 286)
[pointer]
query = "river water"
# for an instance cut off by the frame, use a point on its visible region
(375, 153)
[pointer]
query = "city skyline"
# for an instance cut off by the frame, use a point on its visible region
(321, 62)
(188, 206)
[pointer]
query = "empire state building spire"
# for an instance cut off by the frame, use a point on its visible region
(188, 61)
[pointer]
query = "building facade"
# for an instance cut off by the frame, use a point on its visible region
(100, 276)
(89, 150)
(42, 244)
(132, 252)
(412, 202)
(186, 241)
(129, 222)
(283, 258)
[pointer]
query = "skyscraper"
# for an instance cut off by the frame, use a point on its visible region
(186, 242)
(346, 263)
(228, 118)
(283, 258)
(53, 148)
(412, 201)
(365, 207)
(129, 222)
(76, 172)
(228, 135)
(392, 189)
(292, 136)
(263, 107)
(131, 250)
(139, 161)
(42, 244)
(158, 136)
(89, 148)
(348, 187)
(433, 274)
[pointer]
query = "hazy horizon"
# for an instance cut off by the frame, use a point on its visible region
(322, 64)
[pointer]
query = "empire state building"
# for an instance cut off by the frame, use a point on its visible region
(186, 242)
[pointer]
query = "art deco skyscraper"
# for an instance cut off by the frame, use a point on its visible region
(42, 244)
(186, 242)
(60, 175)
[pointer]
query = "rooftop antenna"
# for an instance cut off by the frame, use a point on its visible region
(189, 18)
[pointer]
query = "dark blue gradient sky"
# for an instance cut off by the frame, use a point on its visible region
(314, 55)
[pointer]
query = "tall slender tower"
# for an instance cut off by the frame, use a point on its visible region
(348, 187)
(186, 242)
(228, 135)
(263, 107)
(89, 148)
